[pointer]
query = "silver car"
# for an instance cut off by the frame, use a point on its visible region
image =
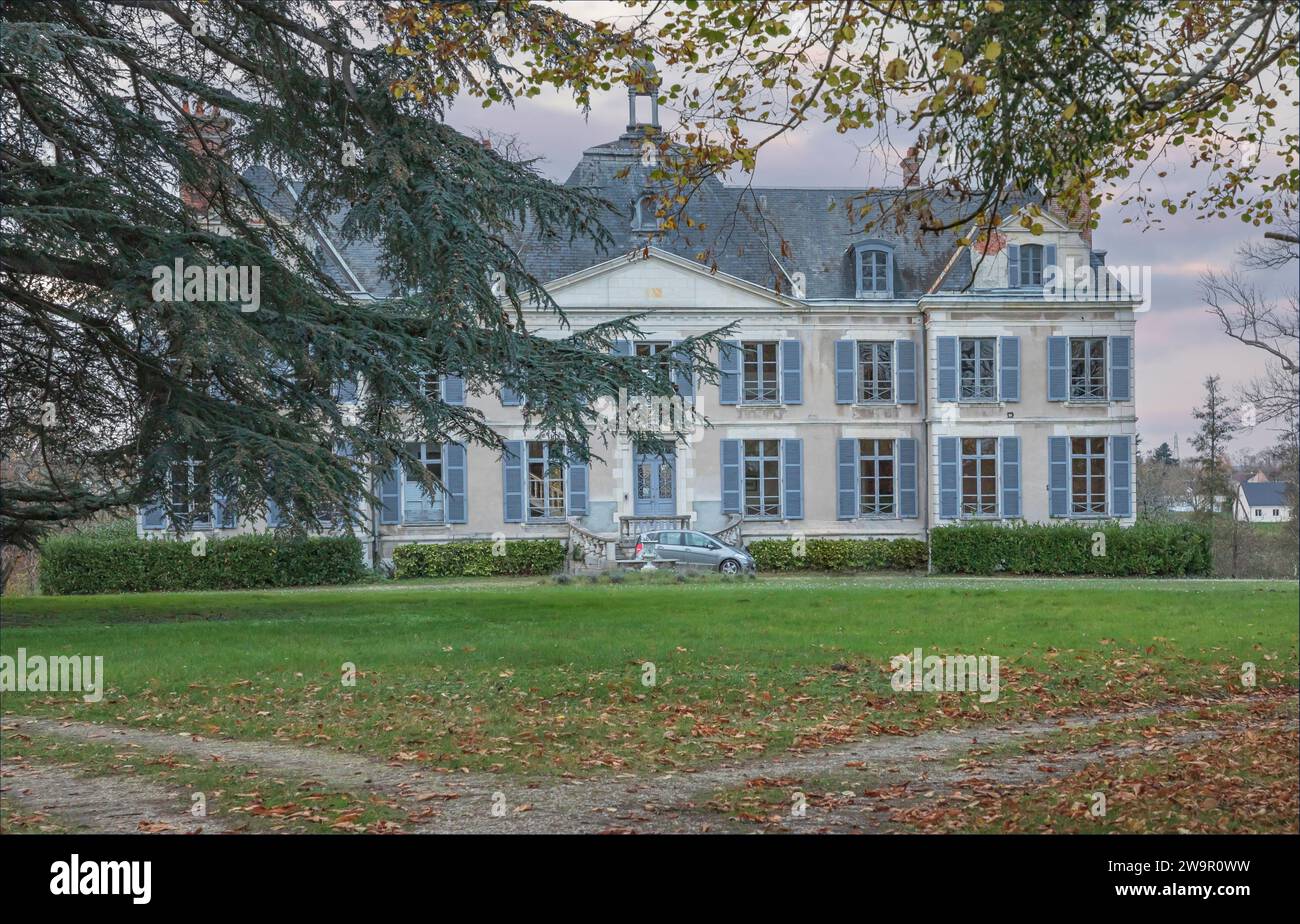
(693, 549)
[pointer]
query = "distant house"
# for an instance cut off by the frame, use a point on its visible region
(1263, 502)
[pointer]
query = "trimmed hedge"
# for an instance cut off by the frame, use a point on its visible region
(1144, 549)
(839, 555)
(74, 565)
(475, 559)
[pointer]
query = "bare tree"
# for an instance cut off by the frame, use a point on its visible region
(1251, 316)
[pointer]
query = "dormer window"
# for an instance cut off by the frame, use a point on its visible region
(644, 218)
(874, 268)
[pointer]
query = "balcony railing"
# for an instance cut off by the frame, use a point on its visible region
(629, 527)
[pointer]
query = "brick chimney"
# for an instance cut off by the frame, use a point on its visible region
(1078, 214)
(206, 133)
(911, 165)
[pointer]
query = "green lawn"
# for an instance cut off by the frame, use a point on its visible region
(529, 676)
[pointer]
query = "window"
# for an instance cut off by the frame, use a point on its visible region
(1276, 512)
(760, 373)
(1031, 264)
(1259, 512)
(978, 360)
(656, 349)
(191, 495)
(874, 266)
(1088, 476)
(876, 367)
(1088, 368)
(876, 477)
(545, 480)
(418, 506)
(645, 219)
(431, 385)
(762, 470)
(696, 541)
(979, 477)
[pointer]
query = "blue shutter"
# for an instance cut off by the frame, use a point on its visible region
(729, 356)
(622, 347)
(792, 462)
(223, 513)
(1011, 478)
(1058, 368)
(1058, 476)
(730, 476)
(684, 378)
(390, 495)
(846, 482)
(948, 508)
(791, 372)
(946, 351)
(510, 397)
(272, 514)
(453, 479)
(1121, 474)
(512, 481)
(1010, 369)
(1049, 260)
(453, 389)
(1013, 265)
(153, 516)
(846, 373)
(1121, 368)
(905, 371)
(579, 477)
(907, 506)
(345, 392)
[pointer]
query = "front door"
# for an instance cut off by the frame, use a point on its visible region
(655, 482)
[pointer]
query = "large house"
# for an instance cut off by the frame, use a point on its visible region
(878, 384)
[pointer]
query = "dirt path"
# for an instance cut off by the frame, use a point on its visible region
(101, 804)
(659, 802)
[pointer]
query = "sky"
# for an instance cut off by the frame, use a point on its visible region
(1178, 343)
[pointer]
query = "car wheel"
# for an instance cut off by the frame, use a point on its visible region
(730, 566)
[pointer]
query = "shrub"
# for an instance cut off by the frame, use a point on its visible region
(475, 558)
(839, 555)
(1145, 549)
(91, 565)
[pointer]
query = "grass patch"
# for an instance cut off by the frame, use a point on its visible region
(530, 677)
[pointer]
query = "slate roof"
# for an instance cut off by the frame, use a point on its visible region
(1265, 493)
(740, 231)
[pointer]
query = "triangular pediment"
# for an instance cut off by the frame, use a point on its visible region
(652, 278)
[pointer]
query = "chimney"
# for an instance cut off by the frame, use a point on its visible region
(911, 165)
(1085, 213)
(1078, 213)
(206, 133)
